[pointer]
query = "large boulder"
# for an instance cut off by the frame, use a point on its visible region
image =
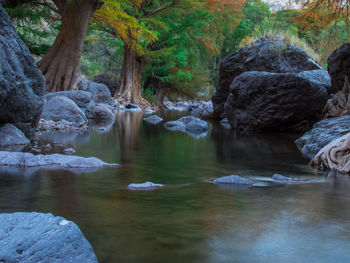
(37, 237)
(80, 97)
(262, 101)
(22, 85)
(111, 83)
(263, 55)
(99, 92)
(102, 114)
(338, 66)
(323, 133)
(61, 108)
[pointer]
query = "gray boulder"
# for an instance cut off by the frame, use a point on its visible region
(57, 161)
(22, 85)
(100, 113)
(61, 108)
(36, 237)
(10, 135)
(233, 179)
(111, 83)
(263, 101)
(323, 133)
(338, 66)
(81, 98)
(154, 119)
(189, 124)
(99, 92)
(263, 55)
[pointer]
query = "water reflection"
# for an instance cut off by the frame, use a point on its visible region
(129, 133)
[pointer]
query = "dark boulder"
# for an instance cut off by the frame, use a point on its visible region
(61, 108)
(317, 78)
(36, 237)
(111, 84)
(338, 66)
(322, 134)
(263, 55)
(99, 92)
(81, 98)
(262, 101)
(22, 85)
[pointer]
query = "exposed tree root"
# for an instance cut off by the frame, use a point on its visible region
(340, 104)
(335, 155)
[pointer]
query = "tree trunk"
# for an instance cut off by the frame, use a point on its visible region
(130, 86)
(60, 65)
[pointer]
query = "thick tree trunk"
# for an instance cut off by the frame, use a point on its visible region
(61, 64)
(130, 86)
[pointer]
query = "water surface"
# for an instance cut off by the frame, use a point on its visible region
(191, 219)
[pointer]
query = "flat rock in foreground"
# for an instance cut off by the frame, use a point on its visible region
(36, 237)
(20, 159)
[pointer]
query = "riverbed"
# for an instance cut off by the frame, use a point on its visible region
(190, 219)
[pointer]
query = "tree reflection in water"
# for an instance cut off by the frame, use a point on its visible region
(129, 133)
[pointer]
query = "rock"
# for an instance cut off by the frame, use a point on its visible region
(57, 161)
(154, 119)
(335, 155)
(317, 78)
(148, 111)
(233, 179)
(99, 92)
(179, 106)
(62, 125)
(37, 237)
(225, 123)
(202, 109)
(110, 83)
(338, 66)
(189, 124)
(323, 133)
(69, 151)
(263, 55)
(81, 98)
(101, 114)
(279, 177)
(22, 85)
(47, 147)
(61, 108)
(144, 186)
(10, 135)
(263, 101)
(132, 108)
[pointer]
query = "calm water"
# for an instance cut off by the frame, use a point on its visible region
(190, 220)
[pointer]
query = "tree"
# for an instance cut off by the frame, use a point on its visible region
(60, 65)
(161, 33)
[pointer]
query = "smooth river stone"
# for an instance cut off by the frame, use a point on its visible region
(233, 179)
(144, 186)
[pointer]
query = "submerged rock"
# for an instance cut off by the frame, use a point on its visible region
(69, 151)
(154, 119)
(22, 85)
(323, 133)
(36, 237)
(10, 135)
(148, 111)
(61, 108)
(279, 177)
(144, 186)
(191, 125)
(21, 159)
(233, 179)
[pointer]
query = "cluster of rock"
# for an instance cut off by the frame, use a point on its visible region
(201, 109)
(270, 85)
